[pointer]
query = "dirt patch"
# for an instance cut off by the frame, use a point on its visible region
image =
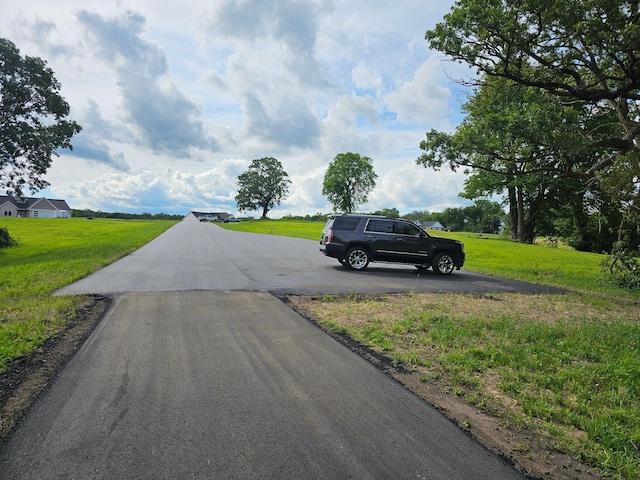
(27, 377)
(529, 452)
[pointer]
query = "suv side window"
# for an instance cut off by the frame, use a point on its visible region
(346, 223)
(403, 228)
(379, 226)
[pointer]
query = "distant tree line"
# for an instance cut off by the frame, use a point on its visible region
(482, 217)
(126, 216)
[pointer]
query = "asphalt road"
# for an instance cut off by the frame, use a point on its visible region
(198, 371)
(202, 256)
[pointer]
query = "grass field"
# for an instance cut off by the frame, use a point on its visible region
(564, 366)
(52, 253)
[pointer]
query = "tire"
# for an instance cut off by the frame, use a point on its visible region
(357, 258)
(443, 263)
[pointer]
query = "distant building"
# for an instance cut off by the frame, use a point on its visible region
(432, 226)
(212, 216)
(27, 207)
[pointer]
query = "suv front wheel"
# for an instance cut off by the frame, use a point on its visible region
(357, 258)
(443, 263)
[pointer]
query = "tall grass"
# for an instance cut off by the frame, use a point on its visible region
(52, 253)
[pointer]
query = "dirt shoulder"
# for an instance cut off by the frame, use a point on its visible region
(29, 376)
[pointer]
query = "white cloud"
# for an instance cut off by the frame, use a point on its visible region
(423, 97)
(366, 79)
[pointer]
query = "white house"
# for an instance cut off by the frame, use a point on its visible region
(26, 207)
(432, 226)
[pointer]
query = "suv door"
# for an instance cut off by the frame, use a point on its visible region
(397, 241)
(413, 243)
(380, 238)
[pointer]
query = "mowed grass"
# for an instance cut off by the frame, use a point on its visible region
(52, 253)
(565, 367)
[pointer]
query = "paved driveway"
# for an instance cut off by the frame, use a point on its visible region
(197, 371)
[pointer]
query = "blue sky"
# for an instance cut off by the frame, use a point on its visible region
(176, 102)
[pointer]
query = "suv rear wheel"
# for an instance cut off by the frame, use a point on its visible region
(443, 263)
(357, 258)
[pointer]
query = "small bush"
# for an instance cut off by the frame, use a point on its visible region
(623, 266)
(6, 240)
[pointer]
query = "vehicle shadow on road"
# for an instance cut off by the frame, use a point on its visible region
(458, 282)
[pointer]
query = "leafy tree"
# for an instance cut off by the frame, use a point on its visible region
(348, 181)
(419, 216)
(263, 186)
(452, 218)
(519, 142)
(584, 52)
(6, 240)
(32, 120)
(388, 212)
(484, 217)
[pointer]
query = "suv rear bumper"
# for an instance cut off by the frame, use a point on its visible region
(333, 250)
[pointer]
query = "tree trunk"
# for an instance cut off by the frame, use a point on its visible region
(520, 208)
(513, 213)
(523, 227)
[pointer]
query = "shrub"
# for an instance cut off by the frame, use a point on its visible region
(623, 266)
(6, 240)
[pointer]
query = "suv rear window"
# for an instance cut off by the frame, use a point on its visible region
(346, 223)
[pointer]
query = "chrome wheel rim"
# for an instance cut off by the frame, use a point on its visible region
(357, 259)
(445, 264)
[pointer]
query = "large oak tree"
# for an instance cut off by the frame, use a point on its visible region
(263, 186)
(585, 55)
(32, 120)
(348, 181)
(519, 142)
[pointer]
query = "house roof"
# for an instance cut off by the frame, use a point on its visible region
(431, 224)
(26, 203)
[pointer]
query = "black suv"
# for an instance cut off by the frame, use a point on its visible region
(356, 240)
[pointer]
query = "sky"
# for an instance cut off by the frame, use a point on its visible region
(177, 98)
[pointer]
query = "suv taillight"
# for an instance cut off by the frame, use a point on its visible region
(330, 235)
